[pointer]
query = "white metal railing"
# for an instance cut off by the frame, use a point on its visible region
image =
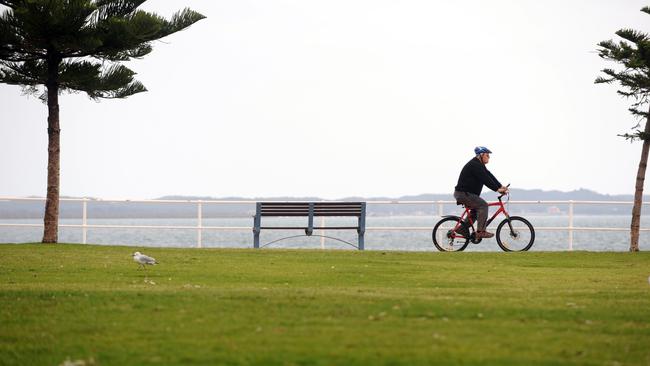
(84, 226)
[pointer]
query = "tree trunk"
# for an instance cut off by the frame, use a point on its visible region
(51, 219)
(638, 193)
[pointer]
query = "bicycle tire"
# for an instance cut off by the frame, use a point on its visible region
(520, 240)
(442, 239)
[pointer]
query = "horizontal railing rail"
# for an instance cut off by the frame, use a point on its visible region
(84, 226)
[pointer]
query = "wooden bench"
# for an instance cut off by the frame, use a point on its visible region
(310, 210)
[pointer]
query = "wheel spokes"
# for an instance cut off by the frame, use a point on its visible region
(446, 238)
(516, 236)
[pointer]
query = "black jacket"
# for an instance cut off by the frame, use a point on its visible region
(473, 176)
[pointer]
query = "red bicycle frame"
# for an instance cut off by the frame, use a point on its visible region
(466, 215)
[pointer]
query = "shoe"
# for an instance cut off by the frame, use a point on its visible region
(483, 235)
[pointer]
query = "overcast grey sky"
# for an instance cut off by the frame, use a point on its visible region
(339, 98)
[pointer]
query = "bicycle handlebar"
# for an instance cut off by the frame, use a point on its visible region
(504, 193)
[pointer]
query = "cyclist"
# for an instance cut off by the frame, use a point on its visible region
(473, 177)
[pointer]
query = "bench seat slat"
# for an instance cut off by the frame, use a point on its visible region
(265, 210)
(316, 204)
(324, 203)
(347, 208)
(316, 211)
(303, 215)
(305, 227)
(284, 227)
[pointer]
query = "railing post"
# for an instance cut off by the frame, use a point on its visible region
(200, 223)
(440, 206)
(571, 225)
(84, 221)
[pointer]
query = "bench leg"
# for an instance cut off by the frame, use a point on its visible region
(362, 226)
(257, 223)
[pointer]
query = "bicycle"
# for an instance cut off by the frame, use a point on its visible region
(453, 233)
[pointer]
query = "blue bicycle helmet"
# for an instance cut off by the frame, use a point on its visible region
(481, 149)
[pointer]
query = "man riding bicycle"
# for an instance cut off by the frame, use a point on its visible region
(473, 177)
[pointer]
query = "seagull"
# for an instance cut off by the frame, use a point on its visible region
(142, 259)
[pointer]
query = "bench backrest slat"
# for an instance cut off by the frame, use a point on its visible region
(302, 208)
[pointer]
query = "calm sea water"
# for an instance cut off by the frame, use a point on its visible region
(411, 240)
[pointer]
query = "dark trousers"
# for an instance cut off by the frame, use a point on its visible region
(475, 202)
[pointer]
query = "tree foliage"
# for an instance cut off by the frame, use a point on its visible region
(633, 54)
(84, 40)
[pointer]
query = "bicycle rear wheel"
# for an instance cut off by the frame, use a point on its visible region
(444, 237)
(519, 239)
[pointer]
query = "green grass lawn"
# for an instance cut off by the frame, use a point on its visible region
(313, 307)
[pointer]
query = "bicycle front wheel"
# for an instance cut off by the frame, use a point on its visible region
(516, 237)
(446, 239)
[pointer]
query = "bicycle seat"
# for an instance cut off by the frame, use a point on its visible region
(460, 204)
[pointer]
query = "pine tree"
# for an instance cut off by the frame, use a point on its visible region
(633, 54)
(54, 46)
